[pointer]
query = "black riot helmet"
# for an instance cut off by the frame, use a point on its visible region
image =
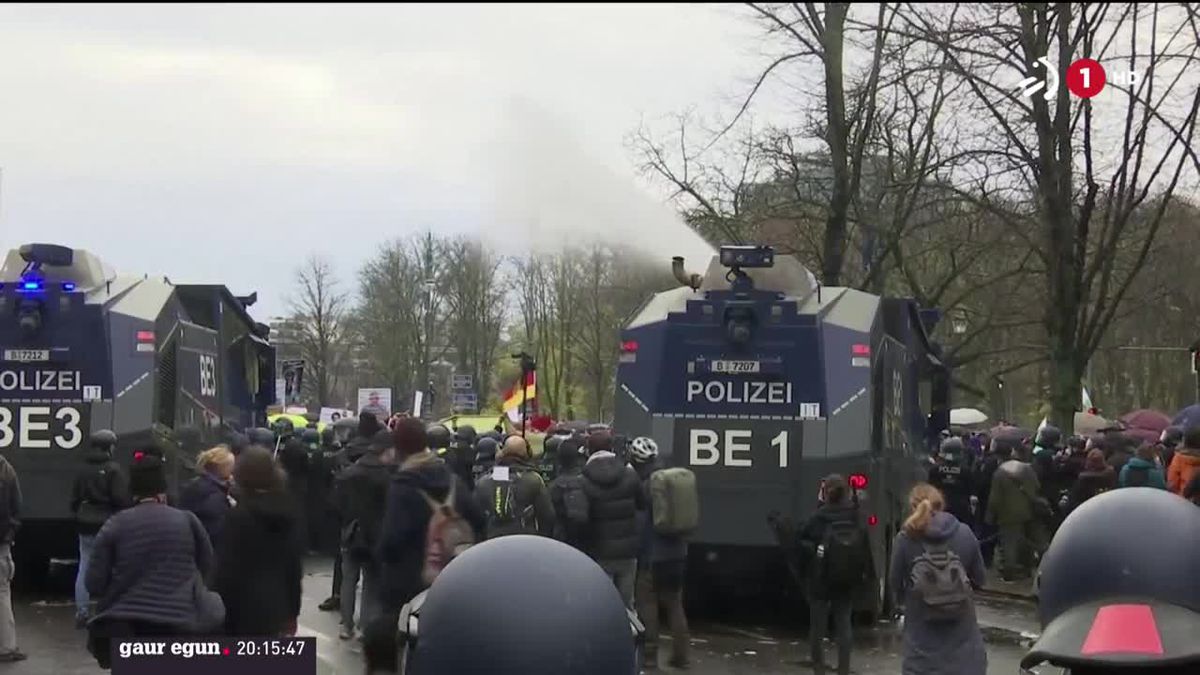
(263, 437)
(568, 619)
(1049, 437)
(238, 442)
(328, 436)
(485, 450)
(311, 437)
(1171, 437)
(466, 434)
(283, 427)
(438, 436)
(104, 440)
(550, 446)
(952, 450)
(1114, 591)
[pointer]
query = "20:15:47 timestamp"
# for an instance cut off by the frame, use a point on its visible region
(270, 647)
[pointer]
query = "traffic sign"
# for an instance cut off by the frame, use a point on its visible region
(461, 382)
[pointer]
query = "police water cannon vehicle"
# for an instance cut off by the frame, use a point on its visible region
(84, 349)
(762, 382)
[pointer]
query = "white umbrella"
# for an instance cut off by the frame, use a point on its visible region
(962, 417)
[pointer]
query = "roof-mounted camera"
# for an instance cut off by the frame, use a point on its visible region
(747, 256)
(47, 254)
(737, 258)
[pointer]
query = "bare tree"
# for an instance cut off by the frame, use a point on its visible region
(474, 308)
(1091, 216)
(320, 313)
(399, 314)
(547, 301)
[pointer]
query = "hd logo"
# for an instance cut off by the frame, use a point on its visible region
(208, 376)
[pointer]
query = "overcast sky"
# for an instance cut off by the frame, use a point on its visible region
(224, 143)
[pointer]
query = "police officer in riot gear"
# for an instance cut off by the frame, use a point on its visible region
(951, 476)
(1117, 590)
(100, 490)
(567, 620)
(284, 430)
(238, 442)
(441, 442)
(485, 457)
(262, 436)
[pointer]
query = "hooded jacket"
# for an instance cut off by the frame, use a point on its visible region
(100, 490)
(1184, 466)
(939, 648)
(530, 492)
(614, 498)
(260, 565)
(1154, 475)
(361, 497)
(1089, 484)
(207, 497)
(1014, 488)
(406, 519)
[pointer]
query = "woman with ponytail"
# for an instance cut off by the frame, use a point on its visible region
(935, 567)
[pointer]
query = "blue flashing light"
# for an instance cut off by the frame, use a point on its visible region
(31, 285)
(68, 286)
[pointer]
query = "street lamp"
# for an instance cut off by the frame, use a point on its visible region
(959, 322)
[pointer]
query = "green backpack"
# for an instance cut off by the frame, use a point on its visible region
(674, 500)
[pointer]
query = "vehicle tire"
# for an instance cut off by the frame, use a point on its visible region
(882, 606)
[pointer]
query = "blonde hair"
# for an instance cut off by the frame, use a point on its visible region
(924, 500)
(215, 456)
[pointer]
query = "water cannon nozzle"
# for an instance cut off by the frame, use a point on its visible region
(685, 278)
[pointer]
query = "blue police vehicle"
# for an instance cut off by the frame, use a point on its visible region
(84, 348)
(761, 381)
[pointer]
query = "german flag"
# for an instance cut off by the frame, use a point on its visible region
(514, 397)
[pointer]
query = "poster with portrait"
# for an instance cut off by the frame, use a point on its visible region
(377, 400)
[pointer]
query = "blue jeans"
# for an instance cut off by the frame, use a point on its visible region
(82, 600)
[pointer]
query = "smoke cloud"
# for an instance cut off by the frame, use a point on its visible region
(544, 185)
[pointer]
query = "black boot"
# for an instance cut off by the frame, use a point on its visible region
(331, 604)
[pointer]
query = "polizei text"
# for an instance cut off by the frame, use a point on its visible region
(770, 393)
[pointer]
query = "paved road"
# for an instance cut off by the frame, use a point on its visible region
(46, 633)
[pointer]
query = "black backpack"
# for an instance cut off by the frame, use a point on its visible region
(508, 513)
(844, 559)
(575, 501)
(940, 583)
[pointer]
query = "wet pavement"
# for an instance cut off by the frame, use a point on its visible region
(46, 633)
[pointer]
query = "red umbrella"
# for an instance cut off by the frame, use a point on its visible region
(1147, 420)
(1009, 431)
(1142, 435)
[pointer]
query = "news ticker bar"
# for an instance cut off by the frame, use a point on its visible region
(206, 656)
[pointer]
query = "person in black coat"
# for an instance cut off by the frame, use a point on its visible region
(614, 498)
(1096, 477)
(406, 519)
(260, 562)
(361, 495)
(1000, 448)
(100, 490)
(837, 509)
(207, 495)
